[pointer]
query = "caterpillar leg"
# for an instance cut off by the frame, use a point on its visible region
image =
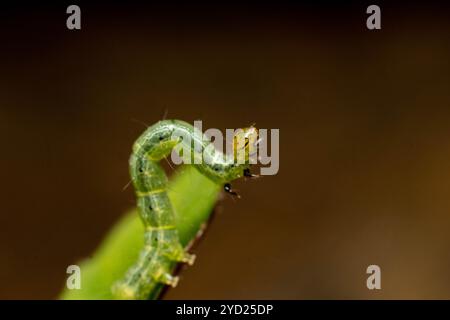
(227, 188)
(188, 258)
(248, 174)
(168, 279)
(180, 255)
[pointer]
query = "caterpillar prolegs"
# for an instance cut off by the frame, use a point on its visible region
(162, 248)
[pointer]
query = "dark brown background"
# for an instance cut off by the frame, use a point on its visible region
(364, 133)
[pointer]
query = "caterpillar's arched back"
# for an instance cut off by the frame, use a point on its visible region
(162, 247)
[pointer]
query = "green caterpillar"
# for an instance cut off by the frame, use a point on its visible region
(162, 249)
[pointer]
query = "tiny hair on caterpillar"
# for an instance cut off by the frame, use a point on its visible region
(162, 248)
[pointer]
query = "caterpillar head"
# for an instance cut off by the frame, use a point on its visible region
(245, 148)
(245, 145)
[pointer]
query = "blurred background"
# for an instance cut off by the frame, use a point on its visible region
(364, 119)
